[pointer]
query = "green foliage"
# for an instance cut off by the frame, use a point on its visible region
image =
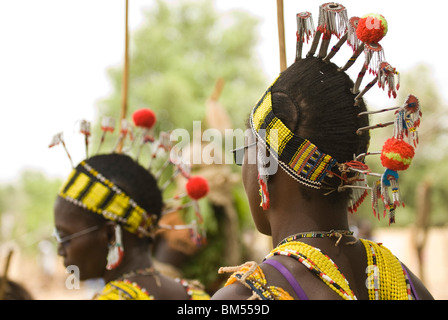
(175, 60)
(177, 56)
(29, 201)
(431, 155)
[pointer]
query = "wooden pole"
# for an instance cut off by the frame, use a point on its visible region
(4, 281)
(281, 35)
(124, 89)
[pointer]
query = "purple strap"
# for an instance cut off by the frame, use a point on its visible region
(288, 276)
(414, 292)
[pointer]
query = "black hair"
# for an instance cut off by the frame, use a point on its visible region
(128, 175)
(314, 100)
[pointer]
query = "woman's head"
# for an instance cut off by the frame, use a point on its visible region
(317, 128)
(90, 198)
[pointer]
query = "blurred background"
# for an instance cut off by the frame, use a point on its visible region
(196, 60)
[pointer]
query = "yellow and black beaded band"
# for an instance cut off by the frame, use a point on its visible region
(300, 158)
(89, 189)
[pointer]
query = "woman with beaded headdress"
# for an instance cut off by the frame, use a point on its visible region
(108, 210)
(305, 158)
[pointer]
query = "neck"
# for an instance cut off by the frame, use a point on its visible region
(294, 210)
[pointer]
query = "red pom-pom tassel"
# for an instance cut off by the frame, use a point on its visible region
(397, 154)
(197, 187)
(371, 28)
(145, 118)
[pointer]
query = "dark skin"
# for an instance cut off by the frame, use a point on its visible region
(89, 252)
(291, 211)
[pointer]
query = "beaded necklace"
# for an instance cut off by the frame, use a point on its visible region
(321, 265)
(319, 234)
(386, 277)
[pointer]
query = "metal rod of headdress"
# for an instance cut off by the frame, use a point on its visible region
(124, 92)
(85, 130)
(59, 139)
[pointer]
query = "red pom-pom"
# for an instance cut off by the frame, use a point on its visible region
(145, 118)
(397, 154)
(197, 187)
(371, 28)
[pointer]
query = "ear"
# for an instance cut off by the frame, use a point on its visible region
(110, 232)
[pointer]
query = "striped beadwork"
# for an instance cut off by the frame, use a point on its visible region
(300, 158)
(92, 191)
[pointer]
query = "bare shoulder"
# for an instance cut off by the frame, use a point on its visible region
(234, 291)
(422, 292)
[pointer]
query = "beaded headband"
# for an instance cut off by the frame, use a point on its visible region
(301, 159)
(89, 189)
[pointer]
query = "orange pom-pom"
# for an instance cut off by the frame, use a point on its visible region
(371, 28)
(145, 118)
(397, 154)
(197, 187)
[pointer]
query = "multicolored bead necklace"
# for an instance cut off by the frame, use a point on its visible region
(318, 263)
(319, 234)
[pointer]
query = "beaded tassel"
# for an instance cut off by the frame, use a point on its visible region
(59, 139)
(408, 120)
(359, 193)
(305, 29)
(385, 76)
(263, 177)
(333, 20)
(107, 125)
(352, 38)
(125, 129)
(373, 55)
(390, 179)
(349, 37)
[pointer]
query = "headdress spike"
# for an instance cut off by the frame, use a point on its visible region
(85, 130)
(59, 139)
(107, 125)
(332, 21)
(305, 29)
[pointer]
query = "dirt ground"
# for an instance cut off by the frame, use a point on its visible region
(57, 286)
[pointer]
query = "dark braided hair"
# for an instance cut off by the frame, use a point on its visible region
(132, 178)
(314, 100)
(128, 175)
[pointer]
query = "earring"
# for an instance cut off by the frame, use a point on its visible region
(116, 250)
(263, 177)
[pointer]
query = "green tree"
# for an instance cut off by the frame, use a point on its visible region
(431, 152)
(177, 56)
(30, 202)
